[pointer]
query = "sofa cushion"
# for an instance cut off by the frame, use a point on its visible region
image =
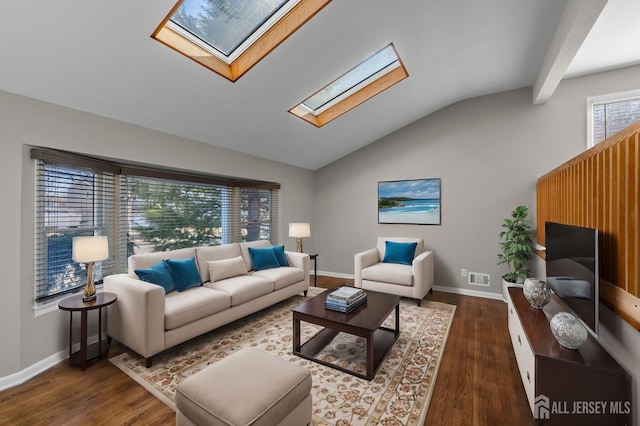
(193, 304)
(282, 258)
(226, 268)
(158, 274)
(185, 273)
(393, 273)
(244, 249)
(396, 252)
(147, 260)
(263, 258)
(206, 254)
(282, 277)
(243, 288)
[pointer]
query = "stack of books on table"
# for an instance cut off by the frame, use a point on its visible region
(345, 299)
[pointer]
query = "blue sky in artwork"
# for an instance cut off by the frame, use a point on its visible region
(416, 189)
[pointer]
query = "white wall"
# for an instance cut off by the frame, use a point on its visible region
(489, 153)
(26, 122)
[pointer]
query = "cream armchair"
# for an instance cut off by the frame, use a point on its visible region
(414, 280)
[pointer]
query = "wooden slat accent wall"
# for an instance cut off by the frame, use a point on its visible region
(599, 189)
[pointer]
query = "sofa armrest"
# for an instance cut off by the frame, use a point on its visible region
(299, 260)
(422, 269)
(363, 260)
(137, 318)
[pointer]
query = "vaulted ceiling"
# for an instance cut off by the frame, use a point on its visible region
(98, 57)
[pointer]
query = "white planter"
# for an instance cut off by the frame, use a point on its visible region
(505, 286)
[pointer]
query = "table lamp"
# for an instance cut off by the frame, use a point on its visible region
(89, 250)
(299, 231)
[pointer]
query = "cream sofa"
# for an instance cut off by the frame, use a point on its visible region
(149, 321)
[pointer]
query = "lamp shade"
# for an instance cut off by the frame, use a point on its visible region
(90, 249)
(299, 230)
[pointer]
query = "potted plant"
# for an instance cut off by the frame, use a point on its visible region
(516, 248)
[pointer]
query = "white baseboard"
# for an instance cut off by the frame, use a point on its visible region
(336, 275)
(22, 376)
(446, 289)
(467, 292)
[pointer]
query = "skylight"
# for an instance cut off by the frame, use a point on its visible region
(384, 68)
(230, 36)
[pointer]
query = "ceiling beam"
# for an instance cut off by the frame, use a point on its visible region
(577, 20)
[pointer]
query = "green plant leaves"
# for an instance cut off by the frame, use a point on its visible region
(516, 245)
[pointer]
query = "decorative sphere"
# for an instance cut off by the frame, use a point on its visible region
(537, 292)
(568, 330)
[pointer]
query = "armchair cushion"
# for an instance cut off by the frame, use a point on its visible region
(401, 253)
(392, 273)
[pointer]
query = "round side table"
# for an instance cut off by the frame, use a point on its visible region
(96, 350)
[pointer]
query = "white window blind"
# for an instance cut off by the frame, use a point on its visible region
(259, 219)
(609, 114)
(167, 215)
(71, 201)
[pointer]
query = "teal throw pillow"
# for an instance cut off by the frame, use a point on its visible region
(282, 258)
(185, 273)
(263, 258)
(157, 274)
(399, 252)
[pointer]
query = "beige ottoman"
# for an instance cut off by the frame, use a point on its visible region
(248, 387)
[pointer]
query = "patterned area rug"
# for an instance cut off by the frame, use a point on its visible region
(399, 394)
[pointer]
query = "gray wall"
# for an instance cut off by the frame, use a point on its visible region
(27, 339)
(489, 153)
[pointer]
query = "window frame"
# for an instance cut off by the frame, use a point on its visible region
(367, 89)
(592, 101)
(244, 45)
(268, 40)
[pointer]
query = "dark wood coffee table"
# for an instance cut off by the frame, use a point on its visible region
(364, 321)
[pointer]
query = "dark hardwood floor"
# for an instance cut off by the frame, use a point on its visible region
(478, 382)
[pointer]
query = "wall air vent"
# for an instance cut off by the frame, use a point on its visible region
(477, 278)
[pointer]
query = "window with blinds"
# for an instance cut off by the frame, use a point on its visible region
(140, 210)
(167, 215)
(609, 114)
(71, 201)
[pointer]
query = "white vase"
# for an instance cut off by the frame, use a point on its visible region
(568, 330)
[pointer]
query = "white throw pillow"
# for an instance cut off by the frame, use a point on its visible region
(226, 268)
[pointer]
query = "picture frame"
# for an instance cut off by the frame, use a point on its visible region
(409, 202)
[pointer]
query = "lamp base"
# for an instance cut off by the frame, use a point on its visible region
(90, 287)
(299, 244)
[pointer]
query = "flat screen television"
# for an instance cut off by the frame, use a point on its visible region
(572, 269)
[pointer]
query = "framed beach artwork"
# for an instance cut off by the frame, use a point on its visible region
(414, 201)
